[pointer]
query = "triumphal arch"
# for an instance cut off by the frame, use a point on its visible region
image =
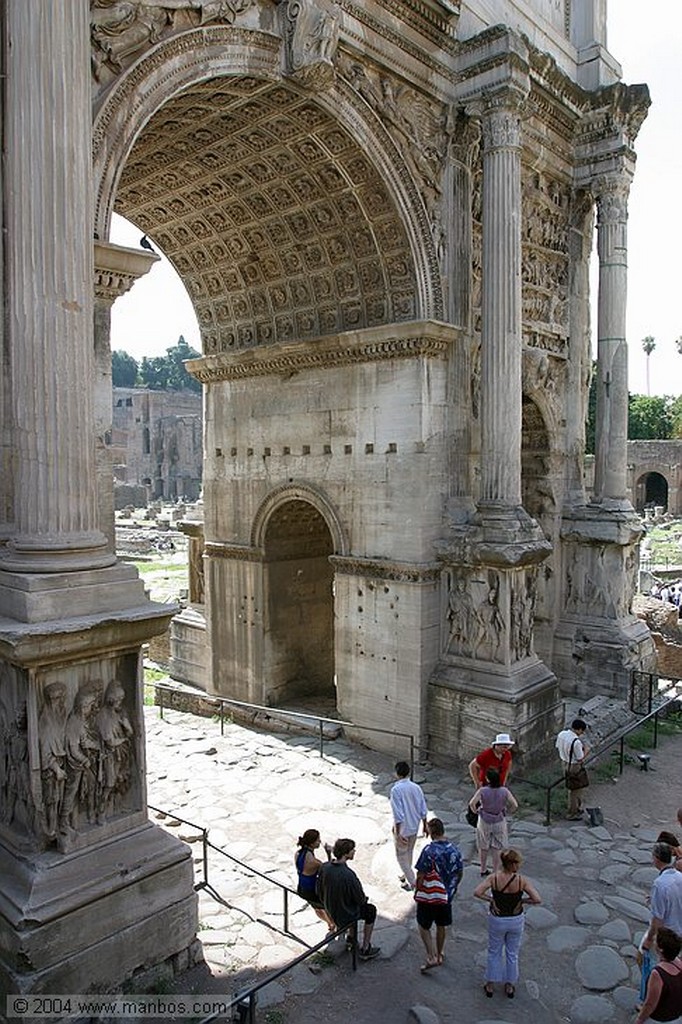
(383, 211)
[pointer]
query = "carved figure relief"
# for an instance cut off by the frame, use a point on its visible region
(85, 757)
(312, 33)
(464, 620)
(16, 787)
(420, 130)
(115, 736)
(51, 729)
(524, 592)
(492, 622)
(121, 29)
(82, 759)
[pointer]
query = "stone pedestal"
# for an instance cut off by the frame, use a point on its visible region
(489, 678)
(599, 641)
(92, 892)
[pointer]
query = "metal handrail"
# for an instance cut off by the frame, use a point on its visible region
(597, 754)
(269, 711)
(250, 993)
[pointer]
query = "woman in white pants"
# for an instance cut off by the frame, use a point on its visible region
(506, 891)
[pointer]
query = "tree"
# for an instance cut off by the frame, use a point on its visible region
(676, 417)
(678, 343)
(649, 419)
(178, 377)
(124, 370)
(154, 372)
(648, 344)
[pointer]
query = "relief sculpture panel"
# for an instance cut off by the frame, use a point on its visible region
(71, 753)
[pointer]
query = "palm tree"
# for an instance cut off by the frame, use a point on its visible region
(648, 344)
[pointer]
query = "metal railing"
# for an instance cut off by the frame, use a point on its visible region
(593, 758)
(245, 1000)
(270, 712)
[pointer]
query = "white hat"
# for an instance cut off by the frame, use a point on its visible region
(503, 737)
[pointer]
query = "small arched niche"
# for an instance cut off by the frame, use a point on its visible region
(299, 634)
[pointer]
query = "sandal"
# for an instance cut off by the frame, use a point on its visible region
(509, 990)
(488, 989)
(428, 966)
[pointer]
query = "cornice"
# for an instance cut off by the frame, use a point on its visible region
(234, 552)
(117, 268)
(376, 568)
(409, 341)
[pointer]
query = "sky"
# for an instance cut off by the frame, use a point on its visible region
(150, 318)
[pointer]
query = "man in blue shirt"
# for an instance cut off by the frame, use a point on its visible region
(666, 895)
(445, 857)
(409, 813)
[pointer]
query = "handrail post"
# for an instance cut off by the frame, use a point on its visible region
(252, 1008)
(321, 725)
(411, 756)
(548, 806)
(285, 893)
(160, 690)
(204, 843)
(622, 754)
(222, 718)
(655, 730)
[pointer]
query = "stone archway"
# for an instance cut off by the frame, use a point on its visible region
(298, 580)
(246, 178)
(652, 490)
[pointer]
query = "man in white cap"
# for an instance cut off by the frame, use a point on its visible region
(497, 756)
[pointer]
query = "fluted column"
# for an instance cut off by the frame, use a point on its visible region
(501, 303)
(610, 481)
(48, 183)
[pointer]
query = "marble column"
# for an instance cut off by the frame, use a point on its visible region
(610, 479)
(48, 188)
(117, 268)
(501, 304)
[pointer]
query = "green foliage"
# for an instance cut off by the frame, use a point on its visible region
(649, 418)
(167, 373)
(676, 417)
(124, 369)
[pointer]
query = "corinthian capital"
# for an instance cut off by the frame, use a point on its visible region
(500, 113)
(611, 194)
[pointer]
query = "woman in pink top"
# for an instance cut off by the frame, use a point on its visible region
(492, 802)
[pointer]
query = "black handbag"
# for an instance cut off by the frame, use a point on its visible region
(471, 817)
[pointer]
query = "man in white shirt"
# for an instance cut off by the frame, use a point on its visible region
(408, 805)
(572, 752)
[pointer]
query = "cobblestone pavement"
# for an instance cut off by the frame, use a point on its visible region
(259, 791)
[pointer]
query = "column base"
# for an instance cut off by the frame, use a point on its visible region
(62, 553)
(470, 702)
(88, 921)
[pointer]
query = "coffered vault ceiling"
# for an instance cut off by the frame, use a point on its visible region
(275, 219)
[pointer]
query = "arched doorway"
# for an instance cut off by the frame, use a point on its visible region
(298, 662)
(652, 491)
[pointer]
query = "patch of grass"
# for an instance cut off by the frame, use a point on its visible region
(274, 1017)
(643, 739)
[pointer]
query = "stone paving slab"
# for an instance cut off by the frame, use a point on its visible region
(257, 792)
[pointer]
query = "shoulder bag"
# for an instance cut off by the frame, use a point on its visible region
(578, 779)
(431, 888)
